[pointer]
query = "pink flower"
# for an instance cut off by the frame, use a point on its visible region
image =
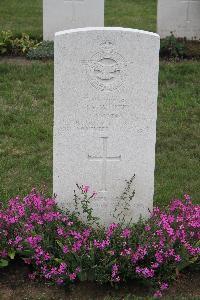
(34, 240)
(111, 229)
(147, 228)
(32, 276)
(157, 294)
(29, 227)
(27, 261)
(70, 223)
(145, 272)
(47, 256)
(115, 273)
(187, 197)
(101, 245)
(60, 231)
(65, 249)
(126, 233)
(164, 286)
(78, 270)
(76, 246)
(126, 252)
(86, 188)
(34, 222)
(72, 276)
(62, 268)
(155, 266)
(159, 257)
(177, 258)
(86, 233)
(59, 281)
(111, 252)
(3, 253)
(117, 279)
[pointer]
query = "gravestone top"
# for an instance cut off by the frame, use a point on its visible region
(122, 29)
(106, 83)
(180, 17)
(66, 14)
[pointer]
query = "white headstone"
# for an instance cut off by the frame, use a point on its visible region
(68, 14)
(106, 84)
(181, 17)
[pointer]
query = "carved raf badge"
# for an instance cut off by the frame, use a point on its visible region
(106, 69)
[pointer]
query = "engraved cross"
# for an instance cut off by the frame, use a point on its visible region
(189, 2)
(104, 159)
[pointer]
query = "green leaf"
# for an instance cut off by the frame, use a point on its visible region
(111, 263)
(83, 276)
(58, 260)
(194, 259)
(59, 244)
(198, 243)
(26, 252)
(3, 263)
(11, 254)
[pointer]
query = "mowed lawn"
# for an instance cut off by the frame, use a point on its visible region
(26, 114)
(26, 15)
(26, 123)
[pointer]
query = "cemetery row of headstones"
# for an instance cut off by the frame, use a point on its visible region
(105, 107)
(180, 17)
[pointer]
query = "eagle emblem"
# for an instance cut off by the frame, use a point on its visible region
(106, 69)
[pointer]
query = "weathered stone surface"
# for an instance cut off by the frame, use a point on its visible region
(182, 17)
(68, 14)
(106, 83)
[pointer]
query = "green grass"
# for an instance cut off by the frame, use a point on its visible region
(178, 132)
(21, 16)
(26, 121)
(140, 14)
(26, 99)
(26, 15)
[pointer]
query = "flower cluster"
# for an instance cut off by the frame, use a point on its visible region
(61, 248)
(33, 227)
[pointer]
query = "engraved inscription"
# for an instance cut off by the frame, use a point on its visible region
(106, 69)
(97, 114)
(101, 113)
(104, 159)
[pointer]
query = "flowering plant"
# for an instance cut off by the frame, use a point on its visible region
(62, 248)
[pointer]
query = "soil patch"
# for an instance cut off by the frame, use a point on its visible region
(15, 60)
(19, 60)
(15, 285)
